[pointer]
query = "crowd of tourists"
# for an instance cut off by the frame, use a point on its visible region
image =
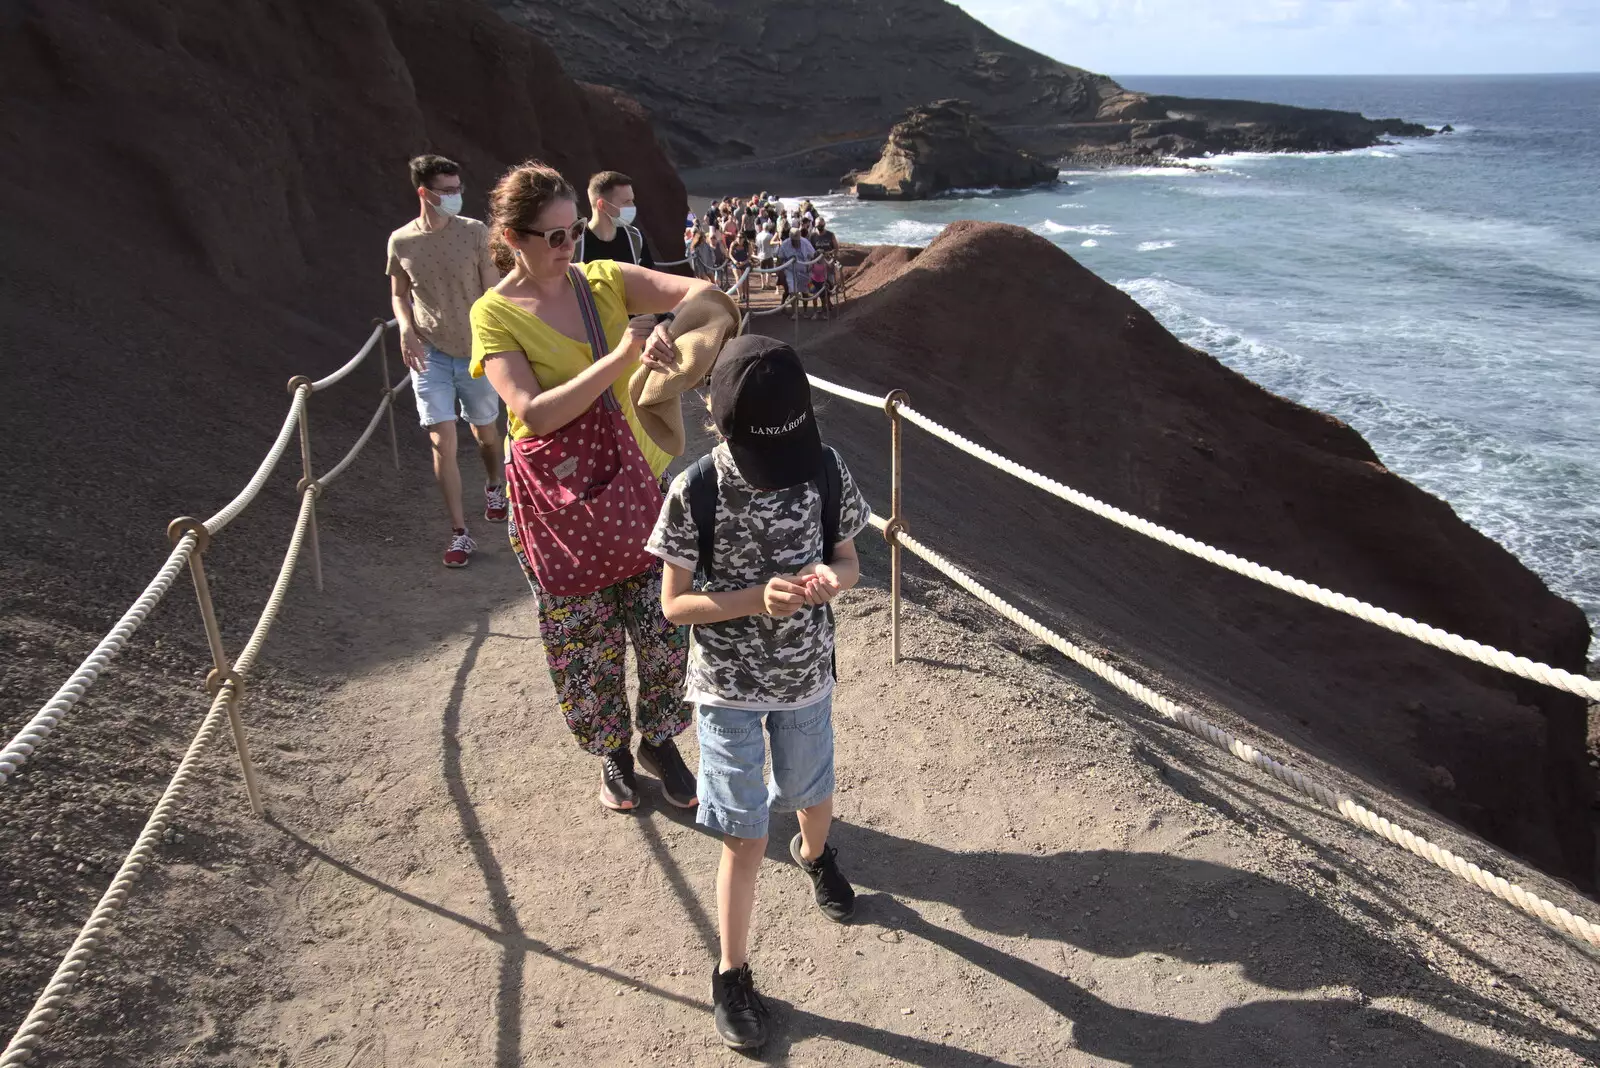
(721, 578)
(796, 251)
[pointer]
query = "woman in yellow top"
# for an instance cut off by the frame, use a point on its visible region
(528, 337)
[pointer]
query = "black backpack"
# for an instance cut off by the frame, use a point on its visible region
(703, 507)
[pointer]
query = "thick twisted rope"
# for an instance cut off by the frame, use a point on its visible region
(366, 435)
(230, 512)
(1392, 621)
(47, 1009)
(1336, 800)
(1350, 606)
(355, 361)
(846, 392)
(21, 747)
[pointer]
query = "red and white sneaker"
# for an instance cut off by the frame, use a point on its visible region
(461, 549)
(494, 504)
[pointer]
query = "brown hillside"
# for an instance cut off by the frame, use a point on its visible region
(198, 198)
(1005, 338)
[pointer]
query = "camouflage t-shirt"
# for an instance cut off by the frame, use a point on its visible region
(757, 662)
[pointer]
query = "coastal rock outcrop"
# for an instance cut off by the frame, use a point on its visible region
(1004, 337)
(943, 146)
(786, 93)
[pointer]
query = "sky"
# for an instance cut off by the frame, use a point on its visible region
(1123, 37)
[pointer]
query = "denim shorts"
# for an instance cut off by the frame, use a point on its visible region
(734, 798)
(448, 386)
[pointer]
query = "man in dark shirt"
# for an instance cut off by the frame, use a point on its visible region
(612, 235)
(822, 238)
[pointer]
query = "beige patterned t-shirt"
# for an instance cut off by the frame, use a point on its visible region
(449, 268)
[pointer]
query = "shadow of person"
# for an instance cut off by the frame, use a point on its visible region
(1287, 1031)
(1120, 904)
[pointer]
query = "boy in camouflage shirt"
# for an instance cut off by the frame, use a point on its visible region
(761, 651)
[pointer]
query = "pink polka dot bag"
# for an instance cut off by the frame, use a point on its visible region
(584, 500)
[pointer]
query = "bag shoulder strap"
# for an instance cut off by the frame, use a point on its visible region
(832, 503)
(635, 242)
(702, 486)
(577, 250)
(591, 323)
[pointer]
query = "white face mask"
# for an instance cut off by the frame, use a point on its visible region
(626, 215)
(449, 203)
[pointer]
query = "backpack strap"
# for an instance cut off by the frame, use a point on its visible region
(635, 242)
(832, 487)
(703, 510)
(577, 250)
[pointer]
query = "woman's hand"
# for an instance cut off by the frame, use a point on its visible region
(636, 334)
(659, 353)
(783, 596)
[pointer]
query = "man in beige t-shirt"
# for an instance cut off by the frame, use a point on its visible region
(439, 263)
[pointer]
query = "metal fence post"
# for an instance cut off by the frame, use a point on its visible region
(897, 523)
(388, 390)
(309, 482)
(221, 671)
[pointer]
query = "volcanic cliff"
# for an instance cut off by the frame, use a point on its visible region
(1004, 337)
(733, 83)
(198, 199)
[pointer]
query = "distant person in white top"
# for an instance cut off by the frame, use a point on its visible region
(439, 264)
(794, 250)
(766, 239)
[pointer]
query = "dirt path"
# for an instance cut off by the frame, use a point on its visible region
(1046, 878)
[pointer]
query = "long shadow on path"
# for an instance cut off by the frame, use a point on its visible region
(516, 944)
(1121, 904)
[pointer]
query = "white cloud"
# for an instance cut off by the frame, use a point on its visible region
(1304, 36)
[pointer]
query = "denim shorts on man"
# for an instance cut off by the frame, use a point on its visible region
(446, 386)
(734, 797)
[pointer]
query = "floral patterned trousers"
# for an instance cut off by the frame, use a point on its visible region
(585, 643)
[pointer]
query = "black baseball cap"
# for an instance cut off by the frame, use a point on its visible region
(761, 403)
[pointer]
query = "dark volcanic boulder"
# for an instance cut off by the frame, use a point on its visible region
(1004, 337)
(944, 146)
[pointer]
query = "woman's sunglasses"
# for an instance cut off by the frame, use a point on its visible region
(559, 237)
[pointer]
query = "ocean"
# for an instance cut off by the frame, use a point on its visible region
(1442, 295)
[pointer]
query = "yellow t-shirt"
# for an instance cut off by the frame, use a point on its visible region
(498, 325)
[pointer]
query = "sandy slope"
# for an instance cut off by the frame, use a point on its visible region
(1047, 878)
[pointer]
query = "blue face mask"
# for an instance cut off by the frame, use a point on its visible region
(449, 203)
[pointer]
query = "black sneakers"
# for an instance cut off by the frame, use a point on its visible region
(619, 790)
(741, 1014)
(664, 762)
(836, 898)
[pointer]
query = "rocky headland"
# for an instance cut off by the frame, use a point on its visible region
(791, 94)
(941, 147)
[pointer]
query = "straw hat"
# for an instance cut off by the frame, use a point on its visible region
(699, 331)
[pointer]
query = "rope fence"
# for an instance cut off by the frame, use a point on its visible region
(894, 530)
(226, 682)
(1338, 801)
(190, 538)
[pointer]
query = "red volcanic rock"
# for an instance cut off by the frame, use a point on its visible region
(1005, 338)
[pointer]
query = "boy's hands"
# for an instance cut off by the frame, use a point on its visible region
(784, 595)
(821, 583)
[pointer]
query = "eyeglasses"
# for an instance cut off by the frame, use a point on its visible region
(447, 191)
(558, 237)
